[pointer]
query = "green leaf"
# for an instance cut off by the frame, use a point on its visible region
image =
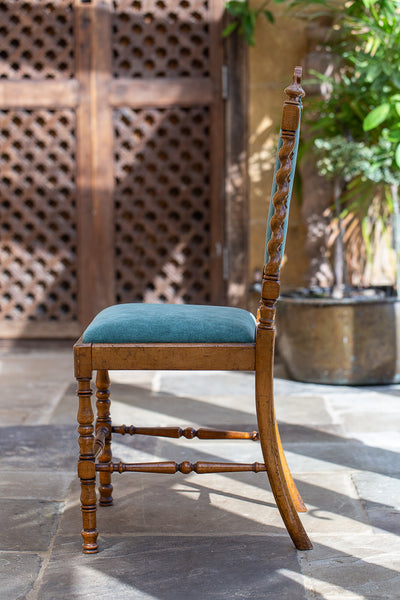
(372, 71)
(397, 107)
(230, 28)
(394, 135)
(397, 156)
(248, 28)
(366, 238)
(300, 2)
(396, 80)
(268, 14)
(376, 116)
(236, 8)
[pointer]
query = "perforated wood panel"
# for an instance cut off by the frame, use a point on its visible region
(168, 38)
(38, 216)
(36, 39)
(162, 205)
(111, 136)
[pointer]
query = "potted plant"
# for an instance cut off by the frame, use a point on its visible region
(345, 334)
(348, 332)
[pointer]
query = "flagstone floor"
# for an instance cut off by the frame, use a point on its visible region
(202, 537)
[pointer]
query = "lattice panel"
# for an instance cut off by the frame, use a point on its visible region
(168, 38)
(38, 216)
(36, 39)
(162, 205)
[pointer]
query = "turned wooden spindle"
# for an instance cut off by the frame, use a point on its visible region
(86, 466)
(103, 435)
(186, 467)
(189, 433)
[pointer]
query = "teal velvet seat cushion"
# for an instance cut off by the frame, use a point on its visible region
(170, 323)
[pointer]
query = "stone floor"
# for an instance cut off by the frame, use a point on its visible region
(202, 537)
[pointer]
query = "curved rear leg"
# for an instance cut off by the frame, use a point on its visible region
(269, 440)
(294, 492)
(276, 474)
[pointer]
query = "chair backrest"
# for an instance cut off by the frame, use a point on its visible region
(278, 213)
(285, 166)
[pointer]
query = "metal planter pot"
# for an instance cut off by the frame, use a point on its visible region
(340, 342)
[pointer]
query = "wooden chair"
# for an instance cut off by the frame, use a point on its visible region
(184, 337)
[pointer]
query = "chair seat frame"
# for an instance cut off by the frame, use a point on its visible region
(95, 439)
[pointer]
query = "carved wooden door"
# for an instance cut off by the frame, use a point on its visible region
(112, 158)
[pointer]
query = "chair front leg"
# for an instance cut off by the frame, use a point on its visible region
(104, 421)
(87, 466)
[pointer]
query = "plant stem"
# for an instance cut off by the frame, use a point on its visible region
(394, 188)
(340, 286)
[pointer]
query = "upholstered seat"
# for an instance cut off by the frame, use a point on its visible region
(171, 323)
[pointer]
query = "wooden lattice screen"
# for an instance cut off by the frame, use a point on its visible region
(112, 158)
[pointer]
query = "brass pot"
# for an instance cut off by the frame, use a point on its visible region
(343, 342)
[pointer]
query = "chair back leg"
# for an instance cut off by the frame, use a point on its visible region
(294, 492)
(269, 440)
(103, 424)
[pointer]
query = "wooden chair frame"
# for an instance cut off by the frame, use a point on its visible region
(95, 440)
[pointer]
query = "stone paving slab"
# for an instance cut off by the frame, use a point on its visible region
(174, 568)
(65, 411)
(145, 406)
(371, 422)
(344, 455)
(15, 415)
(38, 447)
(381, 499)
(303, 409)
(213, 504)
(175, 395)
(149, 380)
(287, 387)
(43, 485)
(18, 573)
(364, 567)
(378, 491)
(333, 504)
(320, 432)
(136, 405)
(230, 388)
(32, 384)
(28, 525)
(387, 520)
(177, 504)
(371, 401)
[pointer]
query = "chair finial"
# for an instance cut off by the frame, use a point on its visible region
(294, 90)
